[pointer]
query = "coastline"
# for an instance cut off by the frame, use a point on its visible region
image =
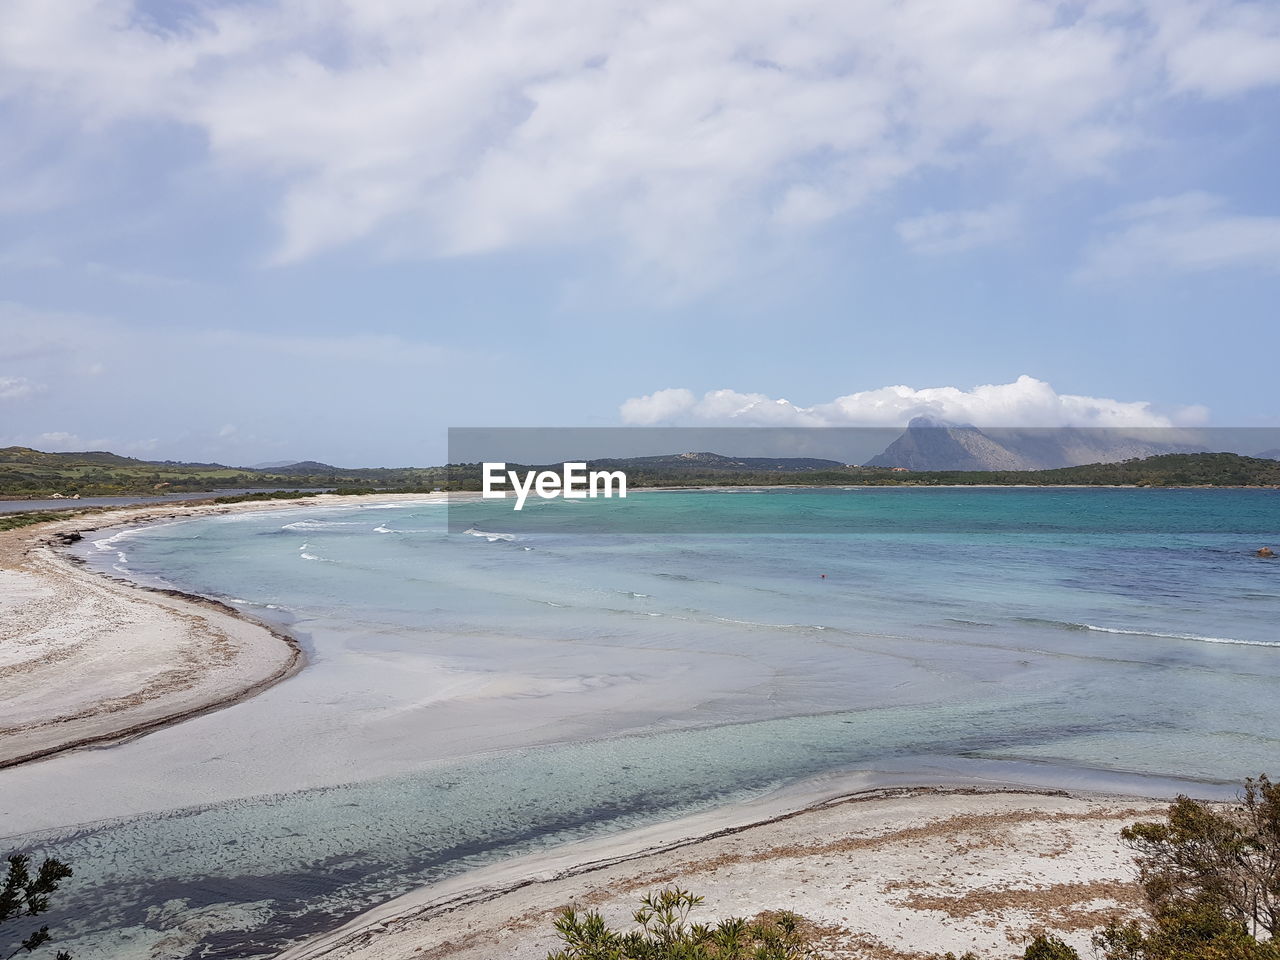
(90, 659)
(889, 872)
(519, 897)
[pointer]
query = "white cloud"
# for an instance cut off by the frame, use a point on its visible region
(1027, 402)
(953, 231)
(1219, 49)
(679, 129)
(1188, 232)
(12, 388)
(659, 406)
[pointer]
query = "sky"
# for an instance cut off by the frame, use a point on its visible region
(331, 229)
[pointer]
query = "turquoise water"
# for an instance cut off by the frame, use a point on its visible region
(473, 695)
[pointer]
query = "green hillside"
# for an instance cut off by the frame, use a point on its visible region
(1165, 470)
(31, 473)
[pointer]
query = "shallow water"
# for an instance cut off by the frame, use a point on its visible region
(474, 695)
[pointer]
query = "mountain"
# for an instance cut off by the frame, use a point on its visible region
(931, 444)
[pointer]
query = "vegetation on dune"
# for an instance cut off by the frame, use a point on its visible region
(1210, 879)
(665, 933)
(25, 895)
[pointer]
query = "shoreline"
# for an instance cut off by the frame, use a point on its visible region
(787, 847)
(143, 657)
(475, 897)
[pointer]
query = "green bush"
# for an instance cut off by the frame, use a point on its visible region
(1211, 879)
(665, 933)
(1204, 862)
(1049, 947)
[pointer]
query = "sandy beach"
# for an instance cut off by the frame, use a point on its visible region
(888, 874)
(86, 659)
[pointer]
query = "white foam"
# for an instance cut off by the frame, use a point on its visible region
(1181, 636)
(491, 537)
(318, 524)
(302, 553)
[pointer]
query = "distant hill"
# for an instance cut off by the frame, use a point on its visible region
(700, 462)
(32, 473)
(1162, 470)
(25, 472)
(305, 468)
(931, 444)
(25, 455)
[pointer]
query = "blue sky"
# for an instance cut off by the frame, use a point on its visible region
(268, 230)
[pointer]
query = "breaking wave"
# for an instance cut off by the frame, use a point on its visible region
(1093, 628)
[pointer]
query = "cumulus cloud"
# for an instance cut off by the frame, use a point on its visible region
(1026, 402)
(676, 128)
(1188, 232)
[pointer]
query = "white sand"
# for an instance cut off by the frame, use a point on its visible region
(85, 659)
(888, 874)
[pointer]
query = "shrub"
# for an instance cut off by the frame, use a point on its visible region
(1204, 861)
(665, 933)
(1049, 947)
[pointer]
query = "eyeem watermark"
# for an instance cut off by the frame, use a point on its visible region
(574, 482)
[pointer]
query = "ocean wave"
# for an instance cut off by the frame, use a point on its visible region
(491, 537)
(318, 524)
(108, 545)
(1094, 628)
(382, 529)
(302, 554)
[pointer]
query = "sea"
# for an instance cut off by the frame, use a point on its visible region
(478, 688)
